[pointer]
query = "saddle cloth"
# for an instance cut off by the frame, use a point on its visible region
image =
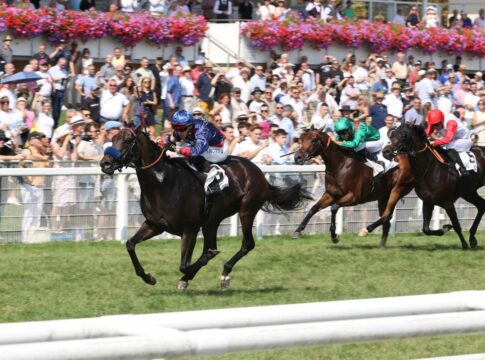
(377, 168)
(216, 180)
(469, 160)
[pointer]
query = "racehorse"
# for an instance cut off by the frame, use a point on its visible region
(349, 182)
(173, 200)
(437, 182)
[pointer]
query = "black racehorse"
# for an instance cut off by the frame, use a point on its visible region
(349, 182)
(173, 200)
(438, 182)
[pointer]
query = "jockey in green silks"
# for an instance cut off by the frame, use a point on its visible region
(364, 139)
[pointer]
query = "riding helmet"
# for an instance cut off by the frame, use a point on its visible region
(435, 116)
(343, 124)
(182, 118)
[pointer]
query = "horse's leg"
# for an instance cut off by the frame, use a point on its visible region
(189, 238)
(334, 236)
(146, 231)
(479, 202)
(324, 201)
(383, 205)
(386, 213)
(451, 211)
(247, 219)
(427, 214)
(208, 253)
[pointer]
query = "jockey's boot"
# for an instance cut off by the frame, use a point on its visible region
(455, 157)
(371, 156)
(204, 166)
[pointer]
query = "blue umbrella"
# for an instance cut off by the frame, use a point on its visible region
(21, 77)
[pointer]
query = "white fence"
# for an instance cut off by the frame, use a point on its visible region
(110, 209)
(214, 332)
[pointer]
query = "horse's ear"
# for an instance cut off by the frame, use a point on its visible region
(312, 127)
(321, 129)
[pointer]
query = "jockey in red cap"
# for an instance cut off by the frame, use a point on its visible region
(455, 137)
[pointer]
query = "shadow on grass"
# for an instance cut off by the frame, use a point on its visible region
(410, 247)
(225, 293)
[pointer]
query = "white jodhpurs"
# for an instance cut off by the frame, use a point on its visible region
(216, 154)
(372, 146)
(459, 145)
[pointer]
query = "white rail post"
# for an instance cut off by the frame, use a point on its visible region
(121, 232)
(233, 226)
(259, 225)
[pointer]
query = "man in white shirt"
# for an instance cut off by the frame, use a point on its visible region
(445, 100)
(266, 11)
(277, 149)
(298, 105)
(479, 22)
(425, 89)
(361, 76)
(114, 105)
(252, 147)
(393, 101)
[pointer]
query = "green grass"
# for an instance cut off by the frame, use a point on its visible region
(69, 280)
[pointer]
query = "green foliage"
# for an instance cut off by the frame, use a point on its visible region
(72, 280)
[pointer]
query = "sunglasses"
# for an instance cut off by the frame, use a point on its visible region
(264, 110)
(197, 114)
(180, 128)
(4, 102)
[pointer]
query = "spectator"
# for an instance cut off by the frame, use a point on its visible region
(156, 69)
(349, 12)
(86, 5)
(453, 19)
(41, 54)
(281, 119)
(91, 104)
(59, 75)
(275, 154)
(217, 121)
(389, 123)
(187, 90)
(118, 57)
(27, 119)
(107, 71)
(174, 93)
(157, 7)
(269, 99)
(414, 115)
(32, 187)
(87, 82)
(298, 106)
(466, 21)
(350, 92)
(431, 18)
(478, 122)
(64, 153)
(144, 72)
(258, 80)
(266, 11)
(315, 9)
(245, 10)
(113, 105)
(129, 6)
(256, 102)
(180, 56)
(393, 102)
(330, 11)
(45, 122)
(479, 22)
(426, 89)
(399, 18)
(128, 89)
(223, 10)
(280, 10)
(207, 9)
(222, 108)
(322, 120)
(237, 105)
(400, 69)
(146, 107)
(6, 51)
(264, 121)
(204, 87)
(252, 147)
(221, 85)
(378, 111)
(412, 20)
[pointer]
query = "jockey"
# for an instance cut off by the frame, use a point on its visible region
(200, 140)
(365, 140)
(455, 137)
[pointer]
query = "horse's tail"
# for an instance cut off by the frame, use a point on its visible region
(286, 198)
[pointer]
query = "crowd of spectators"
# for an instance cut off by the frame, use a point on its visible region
(72, 112)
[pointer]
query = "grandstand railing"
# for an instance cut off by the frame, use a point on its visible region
(119, 217)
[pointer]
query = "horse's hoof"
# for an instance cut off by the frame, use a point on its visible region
(447, 227)
(296, 235)
(182, 285)
(225, 282)
(363, 232)
(464, 246)
(473, 242)
(336, 239)
(149, 279)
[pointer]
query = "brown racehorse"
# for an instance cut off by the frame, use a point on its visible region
(173, 200)
(349, 182)
(437, 182)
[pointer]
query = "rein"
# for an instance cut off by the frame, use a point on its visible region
(434, 152)
(154, 162)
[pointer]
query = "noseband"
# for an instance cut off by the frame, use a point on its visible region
(121, 156)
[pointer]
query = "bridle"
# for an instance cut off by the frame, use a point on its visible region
(120, 157)
(318, 149)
